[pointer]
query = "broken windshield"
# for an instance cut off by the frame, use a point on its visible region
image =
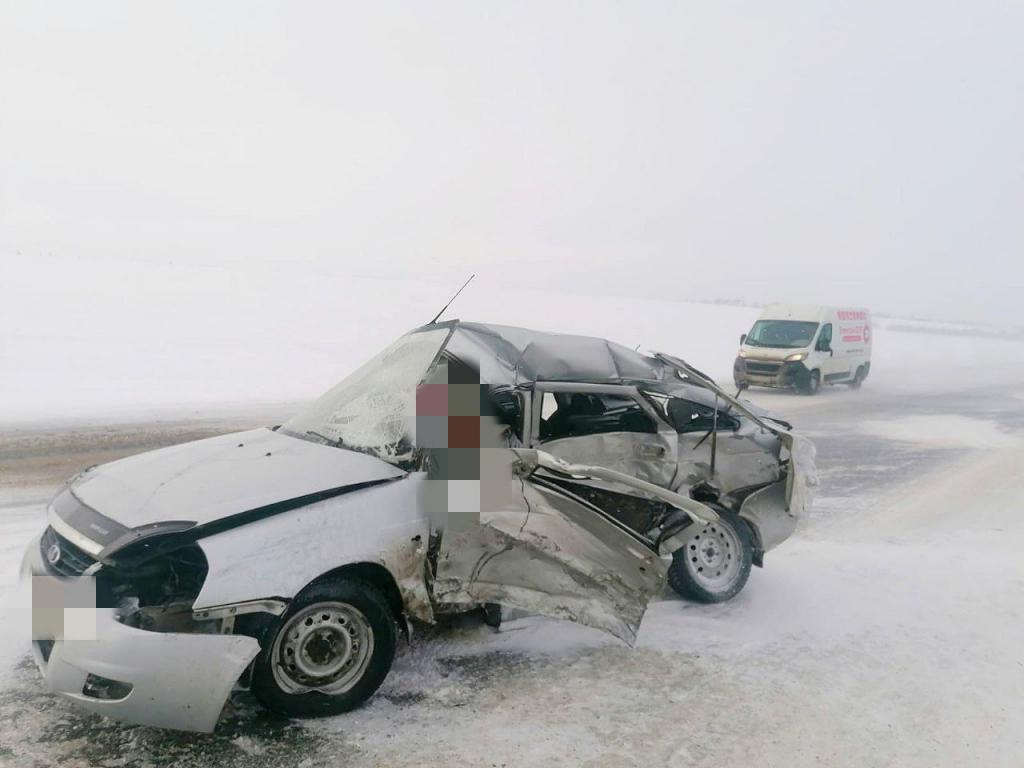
(781, 334)
(374, 409)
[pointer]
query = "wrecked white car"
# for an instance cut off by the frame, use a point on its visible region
(465, 466)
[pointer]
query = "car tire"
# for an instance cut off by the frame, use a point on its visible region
(328, 653)
(812, 385)
(714, 565)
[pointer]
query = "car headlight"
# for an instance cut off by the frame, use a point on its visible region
(795, 357)
(743, 353)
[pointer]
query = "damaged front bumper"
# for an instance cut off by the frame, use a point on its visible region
(163, 679)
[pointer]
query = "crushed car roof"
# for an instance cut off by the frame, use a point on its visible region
(372, 408)
(509, 355)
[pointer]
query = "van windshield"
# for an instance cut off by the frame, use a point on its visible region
(781, 334)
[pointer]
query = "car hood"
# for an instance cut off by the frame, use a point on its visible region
(208, 480)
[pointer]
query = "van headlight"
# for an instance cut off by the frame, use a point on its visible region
(796, 357)
(743, 353)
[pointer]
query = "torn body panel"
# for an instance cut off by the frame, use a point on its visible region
(555, 556)
(801, 472)
(743, 458)
(543, 460)
(798, 454)
(650, 457)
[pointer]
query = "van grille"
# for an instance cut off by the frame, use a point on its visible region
(71, 562)
(755, 367)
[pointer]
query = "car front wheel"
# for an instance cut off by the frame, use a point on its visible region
(714, 565)
(329, 652)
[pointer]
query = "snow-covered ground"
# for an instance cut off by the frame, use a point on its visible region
(888, 632)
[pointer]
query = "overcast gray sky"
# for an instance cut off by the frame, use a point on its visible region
(868, 153)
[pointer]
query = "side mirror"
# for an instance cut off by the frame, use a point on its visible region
(743, 338)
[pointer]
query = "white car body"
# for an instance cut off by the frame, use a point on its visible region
(182, 558)
(343, 510)
(805, 347)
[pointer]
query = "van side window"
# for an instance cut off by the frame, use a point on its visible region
(575, 414)
(824, 338)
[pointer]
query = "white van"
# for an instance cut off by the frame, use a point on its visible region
(805, 347)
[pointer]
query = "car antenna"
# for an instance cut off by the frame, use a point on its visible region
(450, 300)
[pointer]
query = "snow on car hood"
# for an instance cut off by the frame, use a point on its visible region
(207, 480)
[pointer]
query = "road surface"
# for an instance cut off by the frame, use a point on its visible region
(888, 632)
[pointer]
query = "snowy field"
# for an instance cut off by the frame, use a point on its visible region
(888, 632)
(187, 339)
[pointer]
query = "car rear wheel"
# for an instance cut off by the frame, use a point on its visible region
(714, 565)
(329, 652)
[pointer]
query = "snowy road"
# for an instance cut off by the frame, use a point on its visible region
(888, 632)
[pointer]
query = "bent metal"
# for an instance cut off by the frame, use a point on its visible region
(466, 467)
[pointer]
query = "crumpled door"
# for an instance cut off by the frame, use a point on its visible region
(535, 547)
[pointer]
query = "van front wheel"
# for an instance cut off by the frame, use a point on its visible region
(812, 384)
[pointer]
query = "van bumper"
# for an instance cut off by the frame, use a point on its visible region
(770, 373)
(163, 679)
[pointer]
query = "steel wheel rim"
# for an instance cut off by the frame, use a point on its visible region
(714, 557)
(324, 647)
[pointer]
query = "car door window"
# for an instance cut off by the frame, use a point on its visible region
(576, 414)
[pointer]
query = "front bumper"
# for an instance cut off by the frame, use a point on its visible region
(770, 373)
(176, 680)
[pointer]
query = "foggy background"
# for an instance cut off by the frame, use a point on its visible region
(214, 202)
